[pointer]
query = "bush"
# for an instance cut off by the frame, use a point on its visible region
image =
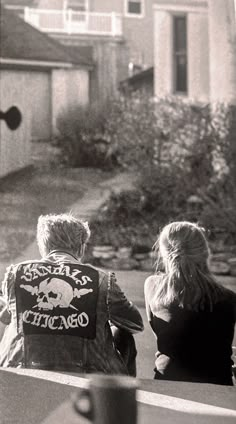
(82, 137)
(218, 212)
(122, 223)
(135, 131)
(124, 131)
(134, 218)
(177, 149)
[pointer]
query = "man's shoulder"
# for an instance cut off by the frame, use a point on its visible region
(28, 262)
(101, 272)
(18, 265)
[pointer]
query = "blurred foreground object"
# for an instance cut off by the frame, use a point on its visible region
(108, 399)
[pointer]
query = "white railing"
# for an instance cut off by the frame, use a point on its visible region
(70, 22)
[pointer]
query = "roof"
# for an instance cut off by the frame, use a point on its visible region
(147, 74)
(21, 41)
(138, 80)
(81, 54)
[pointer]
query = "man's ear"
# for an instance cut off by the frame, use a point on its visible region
(82, 250)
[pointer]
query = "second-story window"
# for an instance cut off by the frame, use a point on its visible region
(180, 54)
(134, 8)
(77, 5)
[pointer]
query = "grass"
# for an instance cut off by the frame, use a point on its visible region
(35, 191)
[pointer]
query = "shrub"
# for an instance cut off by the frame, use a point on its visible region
(186, 151)
(82, 137)
(124, 131)
(135, 217)
(219, 195)
(120, 223)
(176, 148)
(135, 131)
(219, 210)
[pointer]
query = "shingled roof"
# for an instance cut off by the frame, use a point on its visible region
(21, 41)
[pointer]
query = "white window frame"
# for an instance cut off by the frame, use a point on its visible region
(86, 2)
(176, 53)
(134, 15)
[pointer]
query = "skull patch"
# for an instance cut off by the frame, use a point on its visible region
(55, 292)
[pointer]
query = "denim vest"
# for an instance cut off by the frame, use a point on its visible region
(59, 319)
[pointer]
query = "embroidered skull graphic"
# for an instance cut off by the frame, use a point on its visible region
(55, 292)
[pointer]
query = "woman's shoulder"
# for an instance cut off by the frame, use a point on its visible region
(227, 298)
(154, 278)
(151, 281)
(226, 294)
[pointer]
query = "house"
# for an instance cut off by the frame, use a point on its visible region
(132, 19)
(141, 82)
(195, 49)
(120, 32)
(41, 78)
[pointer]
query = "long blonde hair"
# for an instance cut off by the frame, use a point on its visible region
(183, 251)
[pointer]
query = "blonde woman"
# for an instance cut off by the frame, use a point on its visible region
(191, 315)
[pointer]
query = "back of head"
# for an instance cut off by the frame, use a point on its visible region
(184, 252)
(183, 243)
(62, 232)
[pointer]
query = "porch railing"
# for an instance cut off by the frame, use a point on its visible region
(71, 22)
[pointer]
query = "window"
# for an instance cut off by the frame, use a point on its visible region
(134, 8)
(180, 54)
(77, 5)
(78, 8)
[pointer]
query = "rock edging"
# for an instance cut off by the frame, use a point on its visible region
(126, 258)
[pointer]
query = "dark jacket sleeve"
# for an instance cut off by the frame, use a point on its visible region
(122, 313)
(7, 284)
(148, 288)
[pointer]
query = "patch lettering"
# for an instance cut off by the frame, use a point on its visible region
(57, 299)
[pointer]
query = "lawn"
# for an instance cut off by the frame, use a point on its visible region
(35, 191)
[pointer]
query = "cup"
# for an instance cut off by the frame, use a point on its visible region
(108, 400)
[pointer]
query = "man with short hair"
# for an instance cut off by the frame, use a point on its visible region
(61, 313)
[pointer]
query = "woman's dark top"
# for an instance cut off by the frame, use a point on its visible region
(192, 346)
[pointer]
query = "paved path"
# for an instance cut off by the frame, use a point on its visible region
(83, 208)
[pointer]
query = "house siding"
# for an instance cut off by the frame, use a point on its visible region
(111, 68)
(26, 82)
(41, 105)
(198, 57)
(137, 31)
(111, 58)
(197, 54)
(139, 35)
(52, 4)
(69, 88)
(16, 89)
(163, 72)
(222, 37)
(211, 27)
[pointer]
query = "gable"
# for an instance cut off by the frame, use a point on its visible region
(20, 41)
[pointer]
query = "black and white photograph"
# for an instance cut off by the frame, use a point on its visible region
(117, 211)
